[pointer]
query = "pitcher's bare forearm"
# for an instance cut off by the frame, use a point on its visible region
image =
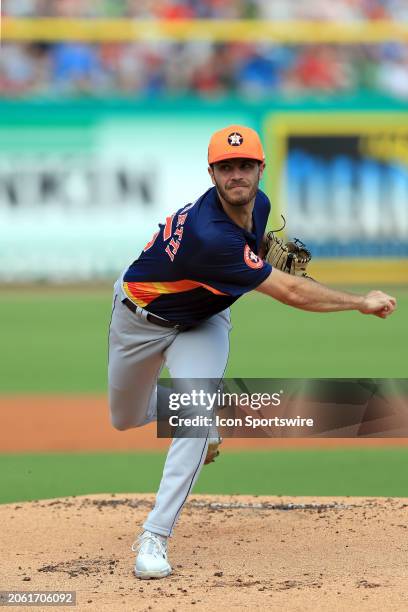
(306, 294)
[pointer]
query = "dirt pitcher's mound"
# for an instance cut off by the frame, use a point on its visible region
(228, 553)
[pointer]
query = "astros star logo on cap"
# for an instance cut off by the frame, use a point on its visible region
(233, 142)
(235, 139)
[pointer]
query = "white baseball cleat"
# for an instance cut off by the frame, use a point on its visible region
(212, 451)
(151, 561)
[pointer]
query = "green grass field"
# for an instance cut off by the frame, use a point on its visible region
(56, 342)
(368, 472)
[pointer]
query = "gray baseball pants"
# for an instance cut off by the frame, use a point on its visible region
(138, 350)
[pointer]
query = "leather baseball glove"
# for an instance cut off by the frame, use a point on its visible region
(291, 257)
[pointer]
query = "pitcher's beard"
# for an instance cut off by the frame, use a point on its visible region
(239, 200)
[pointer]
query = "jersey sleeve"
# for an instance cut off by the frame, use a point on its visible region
(229, 266)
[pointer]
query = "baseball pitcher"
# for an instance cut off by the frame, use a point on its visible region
(171, 307)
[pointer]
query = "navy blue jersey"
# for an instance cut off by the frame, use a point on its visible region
(199, 262)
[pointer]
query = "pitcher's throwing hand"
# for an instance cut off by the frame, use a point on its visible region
(379, 304)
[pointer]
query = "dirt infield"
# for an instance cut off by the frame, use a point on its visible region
(63, 423)
(231, 553)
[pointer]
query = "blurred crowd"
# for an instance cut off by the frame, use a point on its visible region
(344, 10)
(202, 68)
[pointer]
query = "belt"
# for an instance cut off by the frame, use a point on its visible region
(156, 320)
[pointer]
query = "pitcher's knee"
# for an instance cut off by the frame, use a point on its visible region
(125, 411)
(121, 423)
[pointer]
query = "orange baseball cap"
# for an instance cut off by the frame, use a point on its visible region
(235, 141)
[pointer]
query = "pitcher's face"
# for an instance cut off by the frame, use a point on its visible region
(237, 180)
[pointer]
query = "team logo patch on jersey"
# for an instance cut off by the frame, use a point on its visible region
(252, 260)
(235, 139)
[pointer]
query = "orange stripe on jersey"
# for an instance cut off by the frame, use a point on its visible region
(167, 228)
(132, 295)
(212, 289)
(144, 293)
